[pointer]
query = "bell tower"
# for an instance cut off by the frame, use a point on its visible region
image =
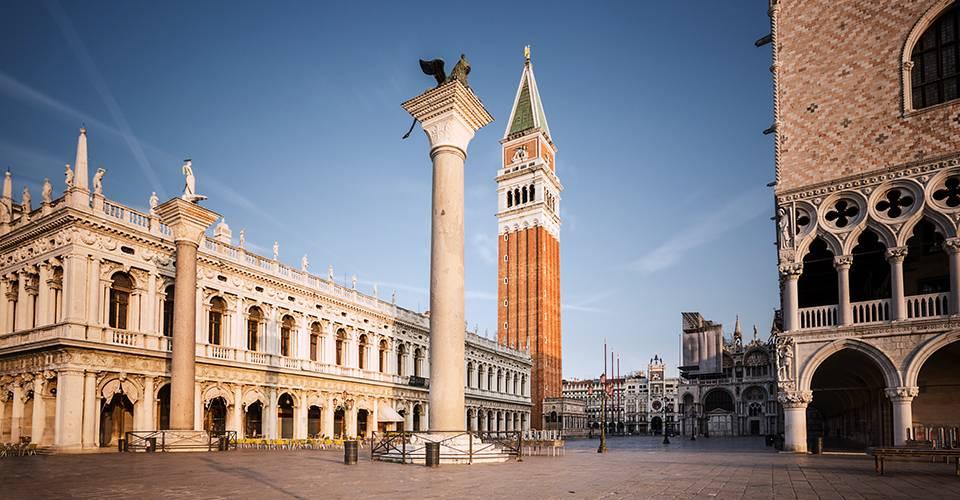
(528, 216)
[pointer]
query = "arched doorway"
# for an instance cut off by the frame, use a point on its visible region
(253, 420)
(938, 402)
(362, 417)
(416, 417)
(314, 421)
(163, 407)
(656, 425)
(215, 416)
(338, 423)
(849, 408)
(718, 408)
(116, 419)
(285, 416)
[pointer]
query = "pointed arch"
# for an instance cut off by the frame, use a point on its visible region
(924, 22)
(890, 372)
(884, 233)
(914, 362)
(217, 391)
(941, 222)
(833, 244)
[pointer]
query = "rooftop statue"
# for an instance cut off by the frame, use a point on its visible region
(190, 183)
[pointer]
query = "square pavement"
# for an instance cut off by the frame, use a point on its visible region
(635, 467)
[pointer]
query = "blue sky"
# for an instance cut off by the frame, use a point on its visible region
(292, 117)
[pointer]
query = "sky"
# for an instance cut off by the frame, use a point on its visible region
(291, 114)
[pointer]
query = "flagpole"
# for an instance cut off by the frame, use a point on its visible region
(603, 409)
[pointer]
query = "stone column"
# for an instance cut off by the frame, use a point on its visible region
(23, 321)
(795, 419)
(16, 413)
(326, 422)
(300, 411)
(450, 115)
(952, 246)
(898, 303)
(790, 274)
(90, 408)
(148, 421)
(39, 420)
(842, 264)
(271, 430)
(902, 400)
(68, 431)
(188, 221)
(94, 290)
(74, 277)
(237, 411)
(46, 312)
(350, 419)
(198, 407)
(148, 320)
(408, 417)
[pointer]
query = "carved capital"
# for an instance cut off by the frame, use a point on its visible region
(449, 114)
(791, 270)
(450, 131)
(794, 399)
(187, 220)
(842, 261)
(902, 394)
(896, 254)
(907, 65)
(952, 245)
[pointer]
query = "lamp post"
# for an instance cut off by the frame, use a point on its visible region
(603, 413)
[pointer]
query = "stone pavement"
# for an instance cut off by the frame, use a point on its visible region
(636, 467)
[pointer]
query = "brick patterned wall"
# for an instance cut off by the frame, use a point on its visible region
(532, 310)
(839, 91)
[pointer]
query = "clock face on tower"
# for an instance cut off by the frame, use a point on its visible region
(657, 376)
(656, 405)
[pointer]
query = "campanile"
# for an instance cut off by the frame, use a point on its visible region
(529, 242)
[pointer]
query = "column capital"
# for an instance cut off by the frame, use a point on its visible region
(791, 270)
(952, 245)
(901, 394)
(896, 254)
(450, 114)
(842, 262)
(794, 399)
(188, 220)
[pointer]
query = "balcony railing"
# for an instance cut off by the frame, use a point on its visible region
(931, 305)
(818, 317)
(871, 311)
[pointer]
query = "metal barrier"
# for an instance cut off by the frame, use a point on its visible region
(510, 444)
(171, 440)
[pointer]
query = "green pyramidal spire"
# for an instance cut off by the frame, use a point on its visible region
(527, 113)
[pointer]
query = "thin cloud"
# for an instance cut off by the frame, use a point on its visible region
(587, 304)
(486, 247)
(93, 74)
(732, 214)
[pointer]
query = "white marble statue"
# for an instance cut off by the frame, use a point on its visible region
(154, 201)
(68, 174)
(304, 263)
(46, 195)
(393, 296)
(330, 272)
(353, 281)
(25, 200)
(98, 181)
(783, 222)
(276, 250)
(376, 291)
(243, 238)
(190, 183)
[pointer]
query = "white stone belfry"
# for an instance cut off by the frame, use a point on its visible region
(450, 115)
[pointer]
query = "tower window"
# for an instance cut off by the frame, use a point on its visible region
(509, 199)
(936, 62)
(524, 194)
(533, 193)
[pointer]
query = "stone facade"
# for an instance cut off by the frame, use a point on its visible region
(868, 178)
(740, 399)
(85, 344)
(528, 215)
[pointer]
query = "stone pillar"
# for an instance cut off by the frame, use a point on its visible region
(149, 404)
(475, 421)
(90, 408)
(952, 246)
(39, 420)
(74, 277)
(795, 419)
(898, 303)
(16, 413)
(408, 417)
(68, 431)
(94, 290)
(842, 264)
(450, 115)
(45, 313)
(326, 422)
(10, 304)
(902, 400)
(300, 411)
(425, 424)
(271, 430)
(23, 321)
(188, 221)
(350, 419)
(198, 407)
(237, 410)
(148, 320)
(790, 274)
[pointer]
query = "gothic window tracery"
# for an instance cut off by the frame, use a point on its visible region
(894, 202)
(842, 213)
(949, 193)
(935, 75)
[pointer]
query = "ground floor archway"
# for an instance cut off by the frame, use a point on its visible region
(656, 425)
(215, 416)
(314, 421)
(253, 420)
(285, 416)
(937, 404)
(116, 419)
(338, 421)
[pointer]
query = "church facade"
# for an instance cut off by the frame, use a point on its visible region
(528, 217)
(867, 189)
(86, 325)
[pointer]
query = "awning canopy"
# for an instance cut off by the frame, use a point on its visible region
(386, 413)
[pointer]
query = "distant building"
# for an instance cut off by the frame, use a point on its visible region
(726, 388)
(567, 415)
(641, 403)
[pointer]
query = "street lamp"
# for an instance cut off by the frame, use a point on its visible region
(603, 419)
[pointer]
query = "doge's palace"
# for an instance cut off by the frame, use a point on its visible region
(86, 329)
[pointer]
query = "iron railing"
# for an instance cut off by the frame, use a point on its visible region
(479, 443)
(171, 440)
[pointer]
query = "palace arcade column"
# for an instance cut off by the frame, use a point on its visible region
(188, 221)
(795, 419)
(450, 114)
(895, 257)
(842, 264)
(952, 245)
(902, 401)
(790, 274)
